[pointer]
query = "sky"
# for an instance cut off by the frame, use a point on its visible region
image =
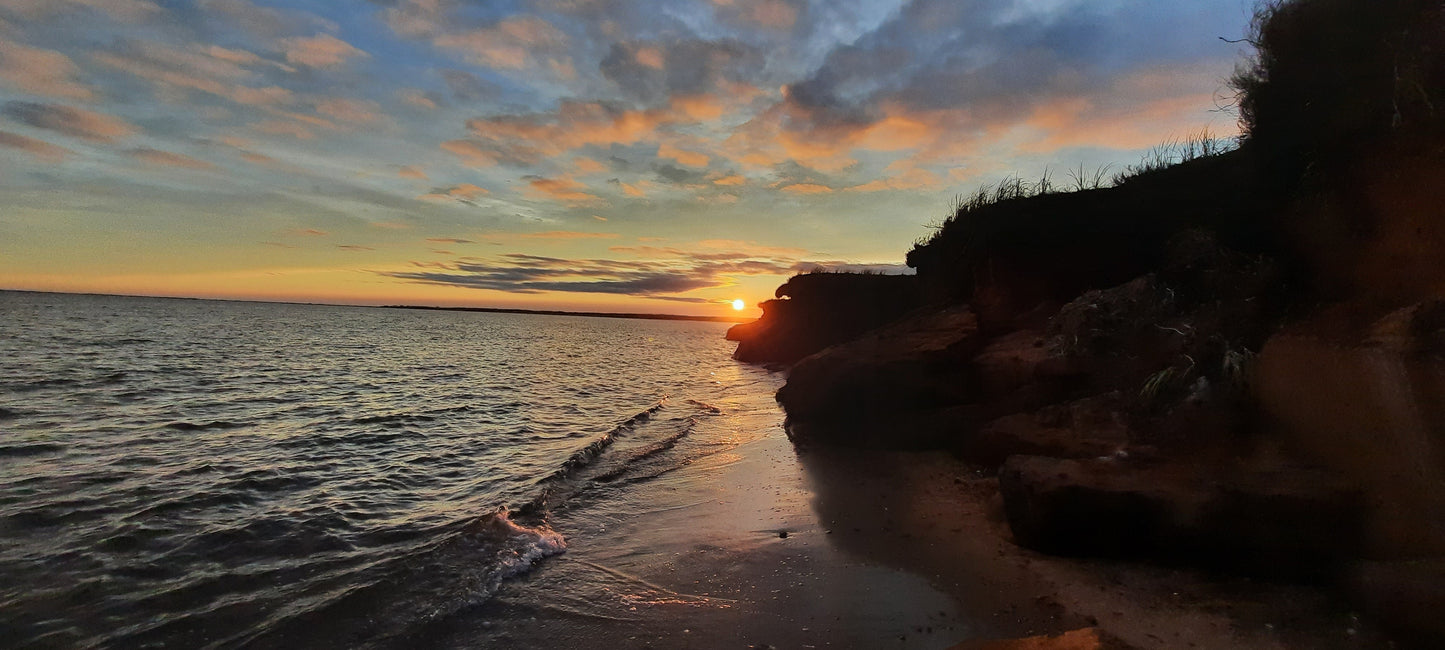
(603, 155)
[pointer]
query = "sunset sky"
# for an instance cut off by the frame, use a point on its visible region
(603, 155)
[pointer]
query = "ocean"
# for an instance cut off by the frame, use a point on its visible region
(192, 473)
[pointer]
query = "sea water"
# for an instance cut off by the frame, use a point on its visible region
(191, 473)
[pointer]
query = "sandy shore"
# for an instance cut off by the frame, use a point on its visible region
(764, 546)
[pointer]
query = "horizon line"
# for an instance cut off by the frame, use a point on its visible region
(497, 310)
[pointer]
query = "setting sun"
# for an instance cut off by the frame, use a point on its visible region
(738, 304)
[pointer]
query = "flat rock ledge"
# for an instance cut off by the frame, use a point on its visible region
(1279, 521)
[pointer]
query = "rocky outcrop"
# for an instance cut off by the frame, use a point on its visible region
(913, 366)
(1086, 428)
(1278, 520)
(815, 310)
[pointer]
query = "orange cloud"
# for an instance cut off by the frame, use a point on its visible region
(350, 110)
(650, 57)
(689, 158)
(700, 108)
(555, 235)
(410, 171)
(38, 148)
(584, 165)
(169, 159)
(320, 51)
(733, 179)
(575, 124)
(126, 10)
(418, 99)
(632, 190)
(206, 72)
(807, 188)
(472, 152)
(75, 122)
(901, 175)
(775, 14)
(40, 72)
(509, 45)
(565, 190)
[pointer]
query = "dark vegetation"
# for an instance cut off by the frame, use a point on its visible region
(1184, 361)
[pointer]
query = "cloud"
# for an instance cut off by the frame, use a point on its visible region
(168, 159)
(449, 240)
(807, 188)
(654, 72)
(264, 22)
(354, 248)
(124, 10)
(411, 171)
(468, 87)
(689, 158)
(562, 189)
(356, 111)
(39, 148)
(320, 51)
(283, 127)
(529, 138)
(69, 121)
(464, 193)
(475, 154)
(566, 234)
(730, 180)
(306, 232)
(523, 273)
(216, 71)
(584, 165)
(773, 14)
(418, 99)
(40, 72)
(510, 44)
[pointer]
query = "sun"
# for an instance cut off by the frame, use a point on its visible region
(739, 304)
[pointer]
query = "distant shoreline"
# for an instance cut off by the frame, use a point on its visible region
(494, 310)
(590, 314)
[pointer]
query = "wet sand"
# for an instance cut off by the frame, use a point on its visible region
(881, 550)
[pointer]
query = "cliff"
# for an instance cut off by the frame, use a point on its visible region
(1232, 362)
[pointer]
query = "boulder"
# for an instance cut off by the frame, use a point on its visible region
(1087, 428)
(1279, 520)
(915, 364)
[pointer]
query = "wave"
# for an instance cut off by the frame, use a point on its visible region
(554, 488)
(393, 418)
(462, 565)
(205, 426)
(31, 449)
(705, 406)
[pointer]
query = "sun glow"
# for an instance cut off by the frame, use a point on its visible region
(738, 304)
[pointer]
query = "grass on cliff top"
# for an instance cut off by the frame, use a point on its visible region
(998, 200)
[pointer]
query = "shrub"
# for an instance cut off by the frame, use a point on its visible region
(1331, 75)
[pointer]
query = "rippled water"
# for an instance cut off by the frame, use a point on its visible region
(200, 473)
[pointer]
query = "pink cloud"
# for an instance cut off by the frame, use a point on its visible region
(320, 51)
(40, 72)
